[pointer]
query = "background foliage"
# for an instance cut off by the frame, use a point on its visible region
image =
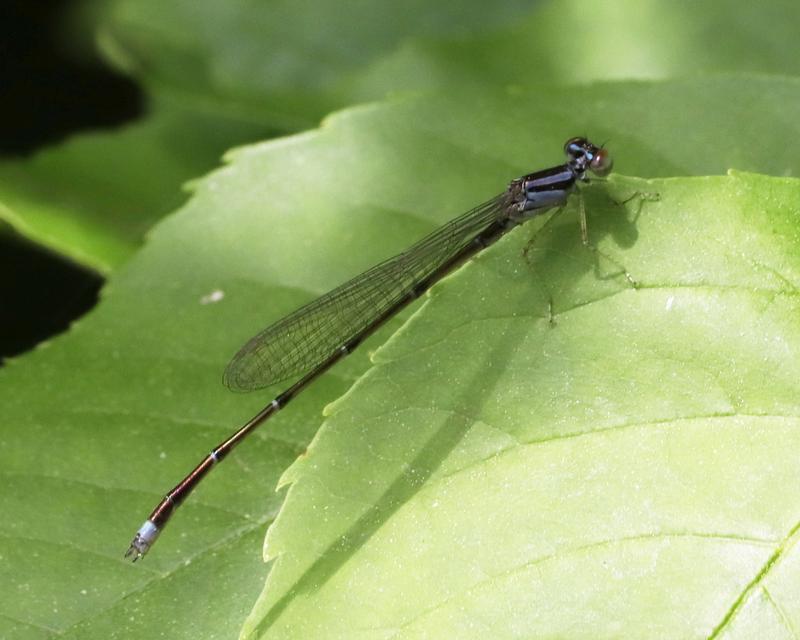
(617, 471)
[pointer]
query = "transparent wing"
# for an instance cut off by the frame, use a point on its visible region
(304, 339)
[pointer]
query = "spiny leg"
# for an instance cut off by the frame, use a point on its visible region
(643, 196)
(597, 253)
(538, 279)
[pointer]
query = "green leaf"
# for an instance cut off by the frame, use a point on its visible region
(544, 450)
(100, 423)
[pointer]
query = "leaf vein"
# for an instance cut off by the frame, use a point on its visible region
(757, 581)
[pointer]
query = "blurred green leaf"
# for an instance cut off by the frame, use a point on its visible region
(99, 423)
(300, 60)
(93, 197)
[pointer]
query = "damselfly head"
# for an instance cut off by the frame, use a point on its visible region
(584, 155)
(601, 163)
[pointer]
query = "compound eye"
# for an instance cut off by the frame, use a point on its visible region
(601, 163)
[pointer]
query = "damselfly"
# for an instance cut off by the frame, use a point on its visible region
(309, 341)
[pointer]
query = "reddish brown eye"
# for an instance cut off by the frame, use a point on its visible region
(601, 163)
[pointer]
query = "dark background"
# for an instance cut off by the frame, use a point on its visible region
(48, 93)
